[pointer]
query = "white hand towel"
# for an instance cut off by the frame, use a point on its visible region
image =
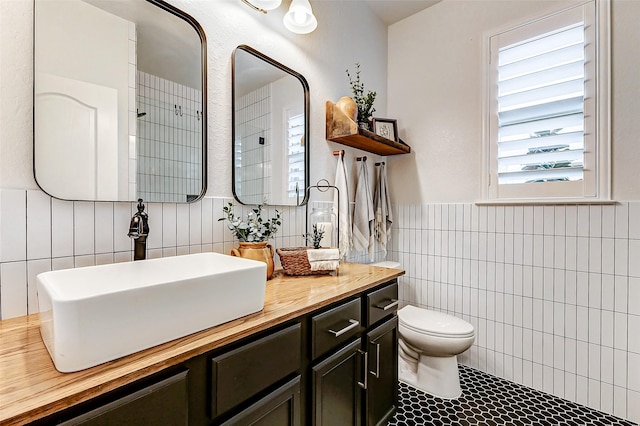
(323, 259)
(363, 213)
(382, 207)
(344, 218)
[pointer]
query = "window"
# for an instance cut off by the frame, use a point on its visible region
(547, 133)
(295, 155)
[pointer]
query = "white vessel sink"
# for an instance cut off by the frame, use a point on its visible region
(96, 314)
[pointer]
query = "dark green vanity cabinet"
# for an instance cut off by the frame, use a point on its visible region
(357, 383)
(336, 365)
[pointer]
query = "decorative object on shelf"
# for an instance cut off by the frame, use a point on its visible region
(253, 234)
(363, 101)
(385, 127)
(341, 129)
(348, 106)
(299, 261)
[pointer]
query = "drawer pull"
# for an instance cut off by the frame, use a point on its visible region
(388, 306)
(363, 385)
(376, 373)
(353, 324)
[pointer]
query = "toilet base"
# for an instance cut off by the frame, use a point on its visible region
(437, 376)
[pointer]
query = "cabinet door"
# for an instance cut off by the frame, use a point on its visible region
(279, 408)
(337, 395)
(382, 389)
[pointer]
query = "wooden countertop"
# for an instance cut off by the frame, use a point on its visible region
(31, 387)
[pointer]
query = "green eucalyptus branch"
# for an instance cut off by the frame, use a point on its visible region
(315, 237)
(363, 101)
(255, 229)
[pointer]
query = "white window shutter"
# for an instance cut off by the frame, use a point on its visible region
(542, 139)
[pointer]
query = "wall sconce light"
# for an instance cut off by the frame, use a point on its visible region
(263, 5)
(299, 19)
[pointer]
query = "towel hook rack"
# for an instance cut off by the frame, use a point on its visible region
(361, 158)
(337, 153)
(381, 163)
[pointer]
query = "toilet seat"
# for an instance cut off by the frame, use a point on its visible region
(434, 323)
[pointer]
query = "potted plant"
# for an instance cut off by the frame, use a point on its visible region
(363, 101)
(315, 236)
(252, 234)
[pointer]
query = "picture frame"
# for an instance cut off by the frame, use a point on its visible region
(385, 127)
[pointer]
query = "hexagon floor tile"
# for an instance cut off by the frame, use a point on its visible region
(490, 401)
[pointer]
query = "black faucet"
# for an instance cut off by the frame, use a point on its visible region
(138, 230)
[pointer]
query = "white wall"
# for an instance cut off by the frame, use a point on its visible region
(439, 51)
(553, 291)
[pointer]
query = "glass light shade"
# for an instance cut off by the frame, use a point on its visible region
(300, 19)
(266, 4)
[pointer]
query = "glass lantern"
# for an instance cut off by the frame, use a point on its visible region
(325, 219)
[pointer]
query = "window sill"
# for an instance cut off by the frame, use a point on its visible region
(542, 202)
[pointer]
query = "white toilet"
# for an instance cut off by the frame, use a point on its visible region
(429, 342)
(428, 346)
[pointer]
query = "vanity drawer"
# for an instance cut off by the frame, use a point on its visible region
(334, 327)
(381, 303)
(162, 402)
(243, 372)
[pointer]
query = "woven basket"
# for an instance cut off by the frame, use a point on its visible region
(294, 261)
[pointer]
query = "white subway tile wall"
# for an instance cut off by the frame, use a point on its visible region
(41, 234)
(133, 117)
(168, 138)
(552, 291)
(253, 144)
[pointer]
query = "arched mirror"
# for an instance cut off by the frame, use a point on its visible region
(120, 101)
(270, 131)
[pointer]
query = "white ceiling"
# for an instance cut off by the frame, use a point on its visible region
(392, 11)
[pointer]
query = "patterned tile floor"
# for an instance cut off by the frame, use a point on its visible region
(488, 400)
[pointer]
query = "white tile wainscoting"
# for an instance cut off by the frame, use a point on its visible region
(40, 233)
(552, 291)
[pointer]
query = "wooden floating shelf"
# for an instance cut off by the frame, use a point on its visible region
(344, 130)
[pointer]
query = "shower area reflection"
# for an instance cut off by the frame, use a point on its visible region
(169, 135)
(253, 145)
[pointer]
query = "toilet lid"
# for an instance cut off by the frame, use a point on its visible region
(433, 322)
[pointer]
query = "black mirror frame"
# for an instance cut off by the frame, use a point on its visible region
(203, 55)
(305, 87)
